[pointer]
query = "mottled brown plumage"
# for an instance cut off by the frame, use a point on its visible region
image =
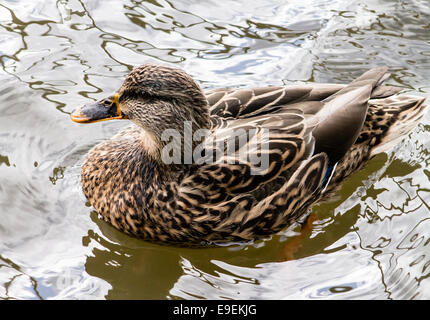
(318, 135)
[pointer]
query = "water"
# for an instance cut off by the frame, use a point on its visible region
(372, 242)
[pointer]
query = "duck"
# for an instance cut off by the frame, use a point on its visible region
(233, 165)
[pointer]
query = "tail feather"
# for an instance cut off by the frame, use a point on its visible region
(387, 122)
(343, 115)
(374, 76)
(390, 119)
(384, 91)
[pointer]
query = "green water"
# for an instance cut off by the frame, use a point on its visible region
(372, 242)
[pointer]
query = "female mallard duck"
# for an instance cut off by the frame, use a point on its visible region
(311, 136)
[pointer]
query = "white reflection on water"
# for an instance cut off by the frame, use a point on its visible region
(288, 280)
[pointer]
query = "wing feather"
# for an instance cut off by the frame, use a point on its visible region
(262, 148)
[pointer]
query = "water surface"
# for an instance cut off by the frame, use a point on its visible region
(372, 242)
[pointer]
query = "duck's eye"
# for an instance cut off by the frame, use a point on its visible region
(107, 102)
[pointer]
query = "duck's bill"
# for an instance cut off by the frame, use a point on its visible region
(106, 109)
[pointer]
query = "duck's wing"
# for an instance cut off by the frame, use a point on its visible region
(219, 200)
(251, 102)
(247, 153)
(228, 103)
(329, 126)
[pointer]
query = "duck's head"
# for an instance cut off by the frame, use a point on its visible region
(154, 97)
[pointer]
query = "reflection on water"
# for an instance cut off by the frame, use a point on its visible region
(369, 242)
(379, 241)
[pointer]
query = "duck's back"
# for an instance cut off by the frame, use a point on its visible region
(387, 118)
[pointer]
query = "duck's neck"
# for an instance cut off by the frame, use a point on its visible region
(168, 156)
(150, 144)
(174, 141)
